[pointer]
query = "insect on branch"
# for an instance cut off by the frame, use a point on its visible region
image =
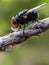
(18, 37)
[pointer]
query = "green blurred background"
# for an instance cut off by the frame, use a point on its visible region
(35, 50)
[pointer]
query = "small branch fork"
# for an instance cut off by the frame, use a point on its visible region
(18, 37)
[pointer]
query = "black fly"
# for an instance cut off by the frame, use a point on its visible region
(25, 16)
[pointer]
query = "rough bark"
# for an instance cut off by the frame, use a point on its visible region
(18, 37)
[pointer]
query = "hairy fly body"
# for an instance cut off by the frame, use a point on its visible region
(25, 16)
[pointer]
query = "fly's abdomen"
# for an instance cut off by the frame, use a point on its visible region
(33, 15)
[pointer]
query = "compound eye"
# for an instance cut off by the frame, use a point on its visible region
(13, 21)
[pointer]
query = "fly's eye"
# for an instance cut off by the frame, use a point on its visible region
(13, 21)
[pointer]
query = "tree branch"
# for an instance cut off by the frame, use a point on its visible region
(18, 37)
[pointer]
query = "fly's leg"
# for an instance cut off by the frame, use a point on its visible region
(36, 20)
(19, 27)
(16, 29)
(24, 29)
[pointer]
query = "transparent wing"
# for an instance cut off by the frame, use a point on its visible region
(36, 8)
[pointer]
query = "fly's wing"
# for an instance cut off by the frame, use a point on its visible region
(32, 9)
(36, 8)
(23, 14)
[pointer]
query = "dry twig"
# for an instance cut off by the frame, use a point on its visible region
(18, 37)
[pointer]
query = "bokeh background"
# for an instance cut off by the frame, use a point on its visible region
(35, 50)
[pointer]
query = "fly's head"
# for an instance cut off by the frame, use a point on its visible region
(14, 22)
